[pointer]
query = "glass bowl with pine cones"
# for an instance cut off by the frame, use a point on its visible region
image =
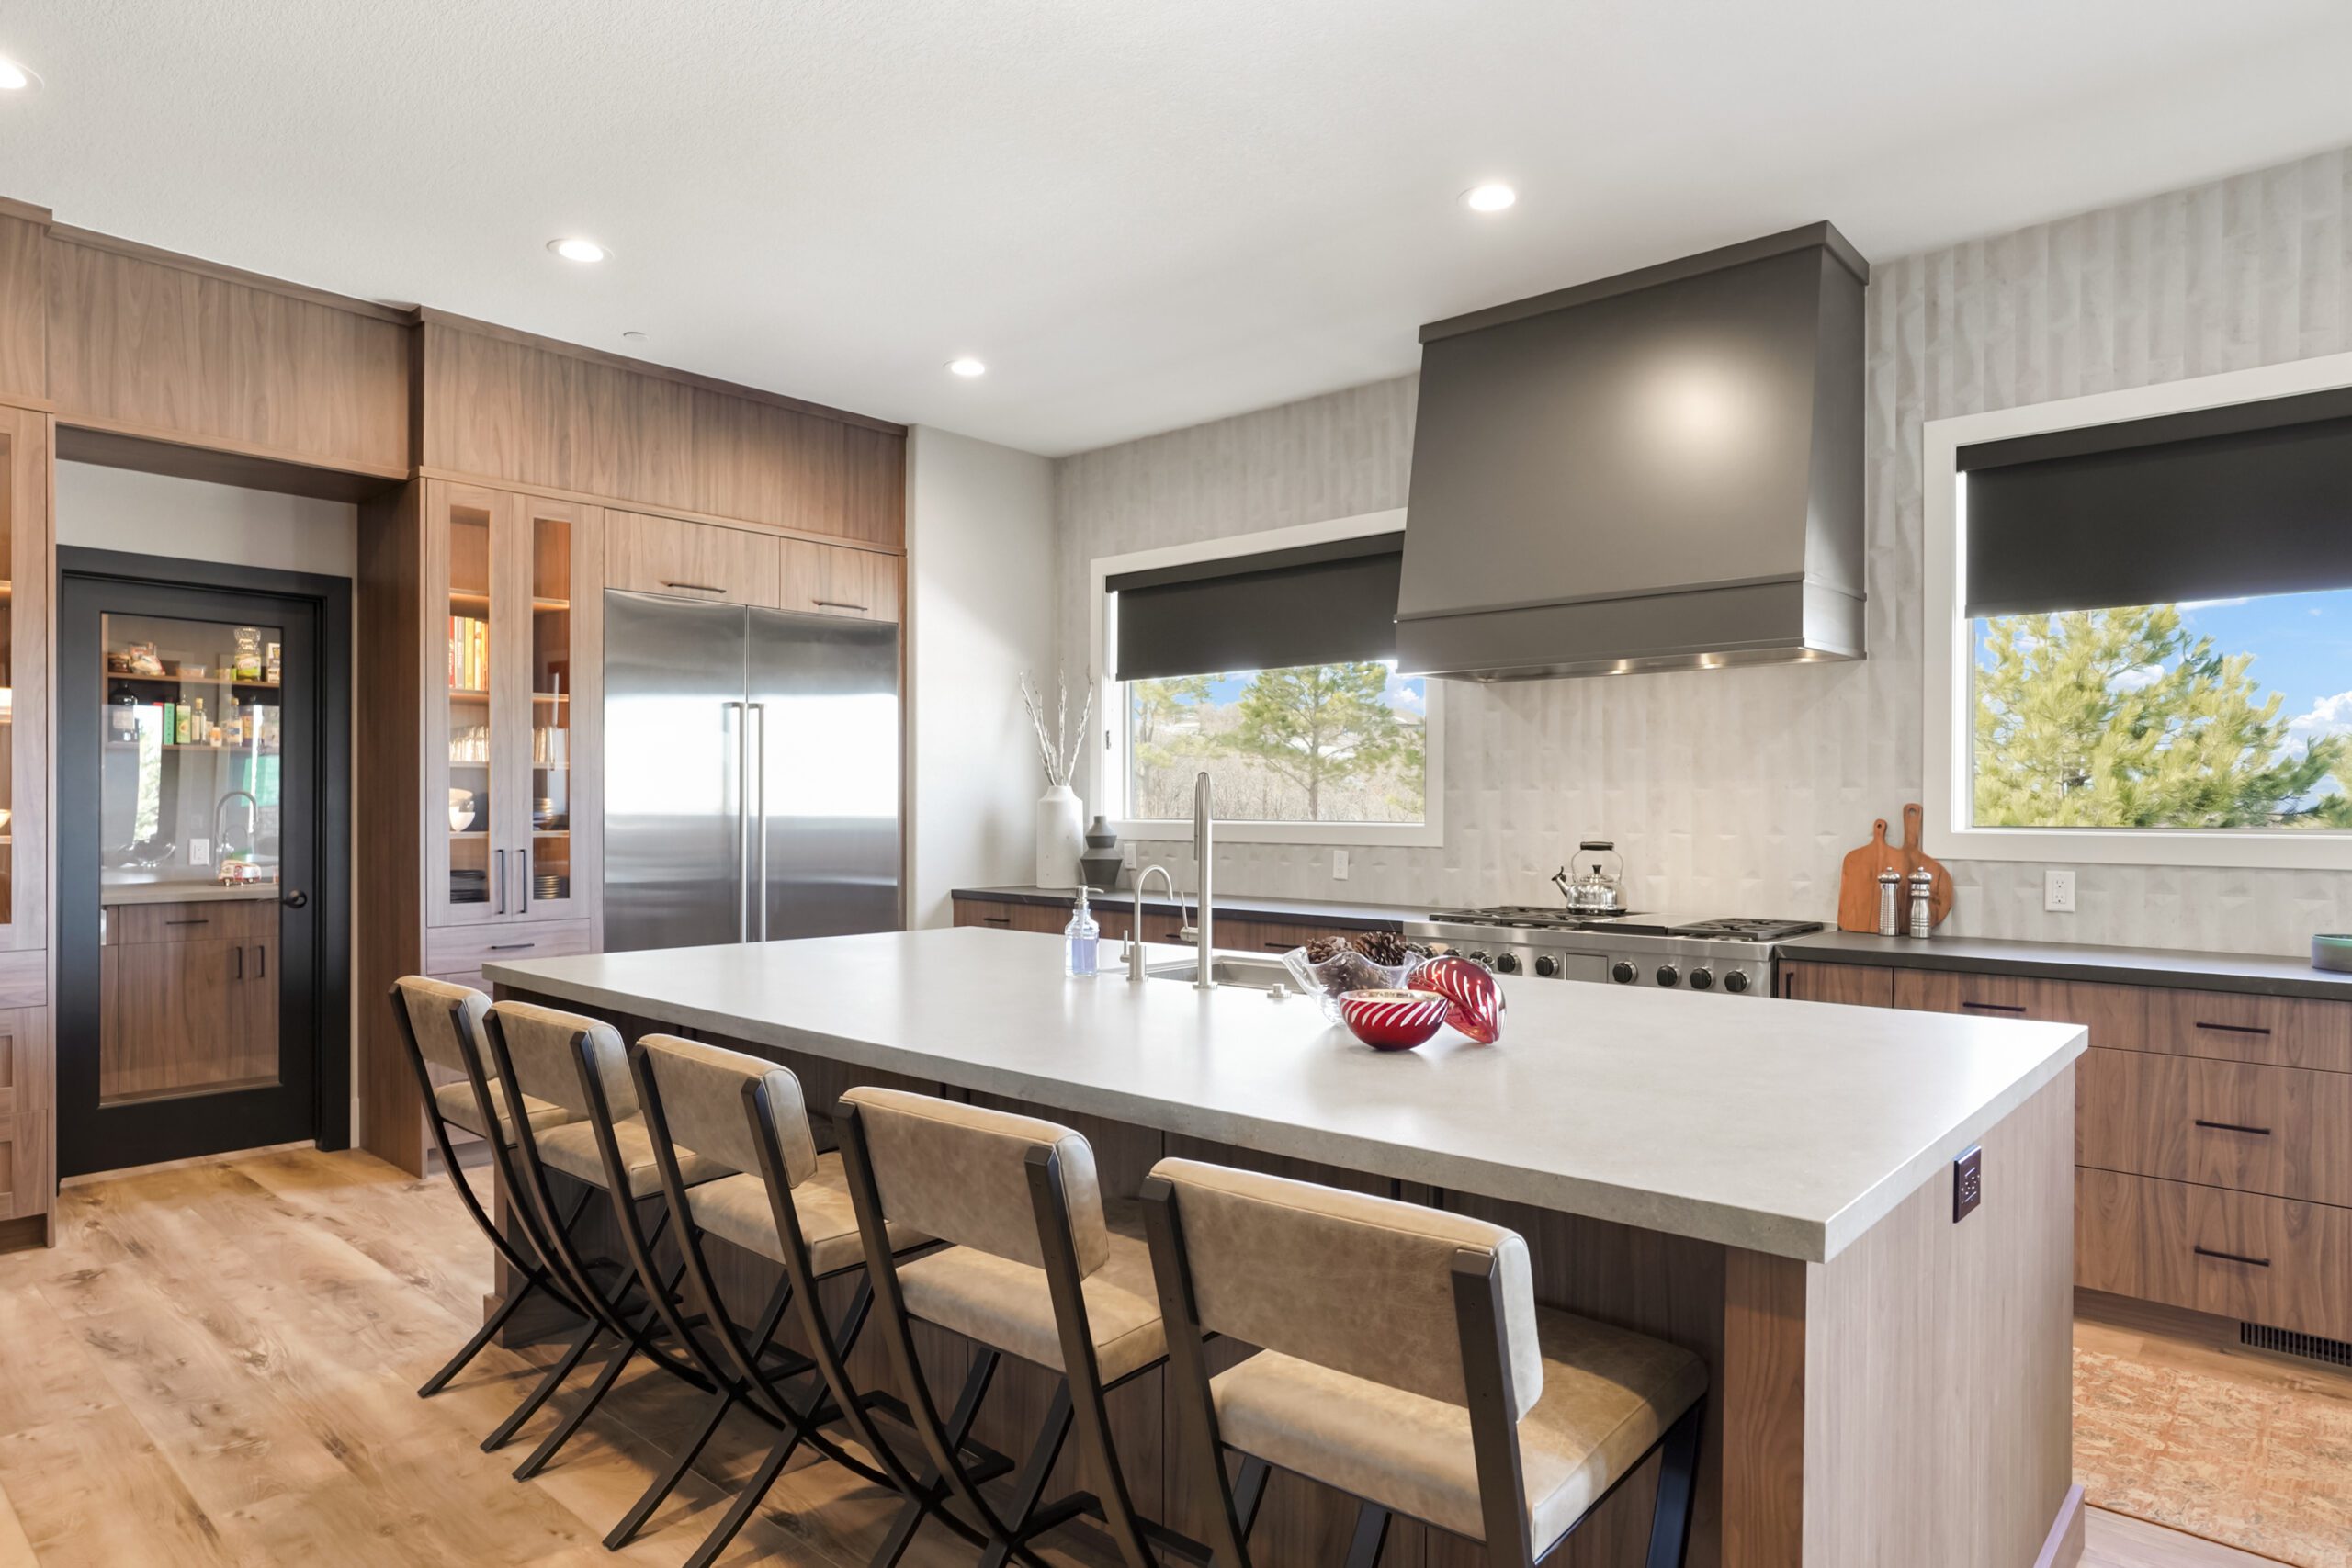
(1329, 967)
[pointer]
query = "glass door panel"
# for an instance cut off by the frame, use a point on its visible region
(553, 537)
(467, 819)
(190, 838)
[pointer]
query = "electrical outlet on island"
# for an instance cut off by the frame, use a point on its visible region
(1967, 1183)
(2058, 892)
(1338, 865)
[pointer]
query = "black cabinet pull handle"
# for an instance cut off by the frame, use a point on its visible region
(511, 946)
(196, 923)
(2233, 1028)
(1280, 946)
(842, 604)
(996, 919)
(1994, 1006)
(2233, 1127)
(501, 881)
(697, 587)
(2233, 1257)
(238, 971)
(261, 961)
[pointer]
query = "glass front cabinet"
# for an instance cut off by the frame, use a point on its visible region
(512, 684)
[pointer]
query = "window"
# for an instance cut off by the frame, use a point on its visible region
(2148, 598)
(1268, 662)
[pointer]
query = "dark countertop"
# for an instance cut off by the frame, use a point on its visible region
(2260, 972)
(1229, 905)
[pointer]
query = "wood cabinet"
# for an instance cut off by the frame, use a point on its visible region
(2260, 1259)
(692, 561)
(833, 580)
(1855, 985)
(2281, 1132)
(190, 998)
(27, 1059)
(27, 1135)
(2286, 1031)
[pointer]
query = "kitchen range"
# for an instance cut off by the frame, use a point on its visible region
(1733, 955)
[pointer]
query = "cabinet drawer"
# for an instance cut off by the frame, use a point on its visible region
(1856, 985)
(2283, 1032)
(452, 950)
(2258, 1260)
(2114, 1014)
(2285, 1132)
(827, 580)
(691, 560)
(209, 919)
(25, 1171)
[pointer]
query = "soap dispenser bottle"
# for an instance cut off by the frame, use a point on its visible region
(1082, 938)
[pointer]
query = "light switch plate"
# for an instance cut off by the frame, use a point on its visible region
(1338, 865)
(1127, 856)
(2058, 892)
(199, 852)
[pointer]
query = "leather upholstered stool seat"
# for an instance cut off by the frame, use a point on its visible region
(1405, 1362)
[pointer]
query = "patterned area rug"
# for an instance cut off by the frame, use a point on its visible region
(2265, 1470)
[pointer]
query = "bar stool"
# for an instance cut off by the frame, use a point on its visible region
(441, 1026)
(1403, 1359)
(786, 1204)
(578, 1062)
(1034, 1272)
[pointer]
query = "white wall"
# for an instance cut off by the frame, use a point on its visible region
(1736, 792)
(149, 515)
(980, 560)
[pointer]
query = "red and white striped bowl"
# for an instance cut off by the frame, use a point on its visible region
(1393, 1021)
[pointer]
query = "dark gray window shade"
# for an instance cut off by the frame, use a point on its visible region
(1326, 604)
(2248, 500)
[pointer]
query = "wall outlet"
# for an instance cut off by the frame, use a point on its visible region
(1338, 865)
(1967, 1183)
(1127, 856)
(199, 852)
(2058, 892)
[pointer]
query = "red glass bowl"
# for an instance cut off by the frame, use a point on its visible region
(1393, 1021)
(1477, 1001)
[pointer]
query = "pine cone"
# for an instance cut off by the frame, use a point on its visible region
(1387, 949)
(1352, 972)
(1324, 949)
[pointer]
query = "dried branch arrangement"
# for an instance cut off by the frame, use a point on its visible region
(1058, 753)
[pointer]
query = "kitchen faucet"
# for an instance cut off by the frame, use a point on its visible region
(1204, 810)
(1135, 970)
(220, 830)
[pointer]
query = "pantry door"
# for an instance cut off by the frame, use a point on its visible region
(192, 916)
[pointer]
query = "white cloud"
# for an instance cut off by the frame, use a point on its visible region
(2329, 716)
(2211, 603)
(2139, 679)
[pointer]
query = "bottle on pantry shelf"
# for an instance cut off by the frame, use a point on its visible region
(271, 676)
(183, 723)
(1082, 938)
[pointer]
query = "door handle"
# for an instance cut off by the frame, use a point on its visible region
(523, 883)
(237, 972)
(760, 711)
(502, 880)
(742, 820)
(295, 899)
(261, 961)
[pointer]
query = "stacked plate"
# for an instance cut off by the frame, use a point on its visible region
(552, 886)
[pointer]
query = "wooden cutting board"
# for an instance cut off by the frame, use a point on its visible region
(1917, 859)
(1857, 881)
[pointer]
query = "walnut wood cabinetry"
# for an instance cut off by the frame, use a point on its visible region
(27, 1058)
(831, 580)
(692, 561)
(2212, 1134)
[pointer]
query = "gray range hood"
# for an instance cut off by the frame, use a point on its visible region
(1657, 471)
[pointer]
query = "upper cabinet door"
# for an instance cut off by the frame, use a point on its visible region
(829, 579)
(471, 753)
(555, 698)
(26, 559)
(690, 561)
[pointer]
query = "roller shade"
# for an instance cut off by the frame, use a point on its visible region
(1323, 604)
(2248, 500)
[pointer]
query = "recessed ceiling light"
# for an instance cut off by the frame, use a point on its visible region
(1492, 196)
(16, 78)
(578, 250)
(966, 366)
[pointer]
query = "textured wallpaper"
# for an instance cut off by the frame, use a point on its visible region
(1738, 790)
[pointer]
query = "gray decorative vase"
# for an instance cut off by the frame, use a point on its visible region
(1100, 864)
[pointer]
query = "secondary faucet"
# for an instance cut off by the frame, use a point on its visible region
(220, 824)
(1203, 812)
(1135, 969)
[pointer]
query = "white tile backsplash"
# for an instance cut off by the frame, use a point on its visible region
(1739, 791)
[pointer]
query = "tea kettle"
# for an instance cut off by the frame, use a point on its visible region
(1594, 889)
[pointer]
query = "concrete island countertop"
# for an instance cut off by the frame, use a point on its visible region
(2178, 967)
(1336, 914)
(1785, 1127)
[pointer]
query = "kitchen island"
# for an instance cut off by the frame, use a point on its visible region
(1769, 1183)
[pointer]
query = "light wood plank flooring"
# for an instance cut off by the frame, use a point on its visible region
(217, 1365)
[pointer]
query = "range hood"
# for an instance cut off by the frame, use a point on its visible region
(1661, 471)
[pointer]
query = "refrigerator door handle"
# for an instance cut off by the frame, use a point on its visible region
(760, 790)
(742, 819)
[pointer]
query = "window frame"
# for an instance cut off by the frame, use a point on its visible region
(1947, 712)
(1107, 764)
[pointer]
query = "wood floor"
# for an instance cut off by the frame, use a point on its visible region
(218, 1364)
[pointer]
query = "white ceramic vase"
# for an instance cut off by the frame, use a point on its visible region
(1061, 837)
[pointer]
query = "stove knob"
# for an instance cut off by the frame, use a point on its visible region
(1668, 974)
(1507, 962)
(1701, 979)
(1547, 965)
(1621, 972)
(1735, 982)
(1482, 960)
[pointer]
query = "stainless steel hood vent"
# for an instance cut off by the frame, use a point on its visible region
(1657, 471)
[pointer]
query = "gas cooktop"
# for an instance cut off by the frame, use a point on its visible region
(1636, 922)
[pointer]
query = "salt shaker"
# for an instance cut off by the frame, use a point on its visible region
(1890, 883)
(1923, 887)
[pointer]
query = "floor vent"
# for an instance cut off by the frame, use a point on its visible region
(2310, 1347)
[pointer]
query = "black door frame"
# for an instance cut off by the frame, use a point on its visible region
(80, 686)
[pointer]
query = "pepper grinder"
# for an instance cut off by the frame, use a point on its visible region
(1923, 887)
(1890, 883)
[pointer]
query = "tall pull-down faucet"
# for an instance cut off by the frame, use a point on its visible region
(1203, 812)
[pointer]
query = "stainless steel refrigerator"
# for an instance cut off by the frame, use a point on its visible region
(751, 774)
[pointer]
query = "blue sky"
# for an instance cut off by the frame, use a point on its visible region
(1406, 694)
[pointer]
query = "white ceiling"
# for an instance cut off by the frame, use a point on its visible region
(1140, 213)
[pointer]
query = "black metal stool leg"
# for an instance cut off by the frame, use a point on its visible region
(667, 1482)
(1249, 1491)
(1371, 1534)
(912, 1513)
(473, 1347)
(547, 1386)
(620, 1359)
(1677, 1464)
(1035, 1473)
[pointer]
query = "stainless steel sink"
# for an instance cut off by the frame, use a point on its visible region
(1251, 974)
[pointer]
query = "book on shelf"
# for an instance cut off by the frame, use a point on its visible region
(468, 653)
